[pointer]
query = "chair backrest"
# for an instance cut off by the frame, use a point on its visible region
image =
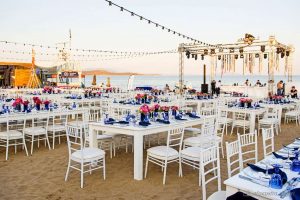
(13, 123)
(209, 120)
(208, 130)
(234, 157)
(58, 120)
(268, 141)
(93, 116)
(248, 141)
(41, 121)
(175, 137)
(74, 139)
(210, 164)
(240, 116)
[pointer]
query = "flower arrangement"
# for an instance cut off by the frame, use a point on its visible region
(47, 89)
(174, 108)
(277, 97)
(138, 96)
(37, 100)
(156, 107)
(192, 91)
(17, 102)
(46, 102)
(144, 109)
(25, 103)
(245, 100)
(164, 108)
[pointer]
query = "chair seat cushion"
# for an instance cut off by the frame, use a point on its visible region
(241, 123)
(225, 120)
(162, 152)
(220, 195)
(35, 131)
(12, 134)
(268, 121)
(104, 137)
(87, 154)
(191, 153)
(194, 130)
(77, 123)
(196, 141)
(292, 113)
(56, 128)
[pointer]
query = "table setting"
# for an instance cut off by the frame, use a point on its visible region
(275, 177)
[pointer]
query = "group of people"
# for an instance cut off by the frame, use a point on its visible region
(215, 87)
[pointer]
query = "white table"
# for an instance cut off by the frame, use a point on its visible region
(252, 112)
(138, 132)
(235, 184)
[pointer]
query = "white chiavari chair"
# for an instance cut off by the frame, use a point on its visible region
(240, 120)
(268, 141)
(83, 159)
(164, 155)
(36, 129)
(12, 135)
(248, 147)
(233, 157)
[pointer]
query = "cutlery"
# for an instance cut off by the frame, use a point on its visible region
(252, 180)
(291, 185)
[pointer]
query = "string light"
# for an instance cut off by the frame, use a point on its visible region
(157, 24)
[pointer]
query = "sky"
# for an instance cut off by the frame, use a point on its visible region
(95, 25)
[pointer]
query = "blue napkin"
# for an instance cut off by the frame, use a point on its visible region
(110, 121)
(192, 115)
(295, 194)
(179, 118)
(292, 148)
(122, 122)
(144, 123)
(239, 196)
(270, 171)
(282, 157)
(163, 121)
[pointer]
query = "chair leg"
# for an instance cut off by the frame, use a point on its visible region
(48, 141)
(180, 168)
(7, 148)
(32, 138)
(165, 172)
(232, 126)
(104, 170)
(81, 176)
(68, 170)
(24, 145)
(146, 167)
(53, 140)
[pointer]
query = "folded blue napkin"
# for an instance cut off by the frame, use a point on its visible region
(292, 148)
(110, 121)
(163, 121)
(192, 115)
(179, 118)
(270, 171)
(144, 123)
(122, 122)
(282, 157)
(295, 194)
(239, 196)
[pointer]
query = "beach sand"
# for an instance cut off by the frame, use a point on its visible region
(41, 176)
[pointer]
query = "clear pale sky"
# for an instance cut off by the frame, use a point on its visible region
(95, 25)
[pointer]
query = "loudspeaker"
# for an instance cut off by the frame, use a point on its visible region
(204, 88)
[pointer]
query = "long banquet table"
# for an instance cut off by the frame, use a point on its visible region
(138, 132)
(252, 112)
(235, 184)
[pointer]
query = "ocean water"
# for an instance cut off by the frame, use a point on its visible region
(193, 81)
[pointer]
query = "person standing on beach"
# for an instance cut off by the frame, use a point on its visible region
(280, 88)
(247, 82)
(218, 87)
(294, 92)
(213, 87)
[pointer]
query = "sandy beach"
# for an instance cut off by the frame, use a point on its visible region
(41, 176)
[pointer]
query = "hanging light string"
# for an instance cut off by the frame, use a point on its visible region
(158, 25)
(43, 46)
(89, 55)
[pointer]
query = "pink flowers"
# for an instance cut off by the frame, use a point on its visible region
(17, 102)
(245, 100)
(26, 102)
(46, 102)
(144, 109)
(174, 108)
(37, 100)
(277, 97)
(164, 108)
(138, 96)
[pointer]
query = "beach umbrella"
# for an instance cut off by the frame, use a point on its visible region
(108, 82)
(94, 80)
